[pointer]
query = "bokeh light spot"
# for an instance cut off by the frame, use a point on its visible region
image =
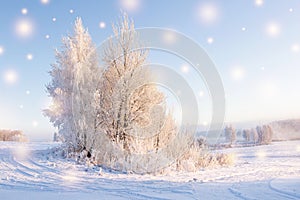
(1, 50)
(29, 56)
(45, 2)
(208, 13)
(210, 40)
(295, 48)
(130, 5)
(24, 11)
(273, 29)
(10, 77)
(237, 73)
(102, 25)
(259, 2)
(24, 28)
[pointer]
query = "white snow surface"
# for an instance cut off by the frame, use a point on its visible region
(262, 172)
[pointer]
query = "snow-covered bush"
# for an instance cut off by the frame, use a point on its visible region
(196, 158)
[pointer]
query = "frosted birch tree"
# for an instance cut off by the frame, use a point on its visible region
(230, 134)
(124, 106)
(247, 134)
(265, 134)
(254, 135)
(73, 87)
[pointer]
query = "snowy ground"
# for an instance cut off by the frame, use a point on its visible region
(262, 172)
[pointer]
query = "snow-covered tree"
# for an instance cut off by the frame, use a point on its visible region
(233, 135)
(126, 102)
(73, 86)
(247, 134)
(265, 134)
(254, 135)
(135, 130)
(239, 133)
(55, 137)
(227, 133)
(230, 134)
(260, 134)
(87, 77)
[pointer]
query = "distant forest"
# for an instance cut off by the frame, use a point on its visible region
(286, 129)
(12, 135)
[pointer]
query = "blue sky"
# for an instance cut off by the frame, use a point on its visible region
(255, 45)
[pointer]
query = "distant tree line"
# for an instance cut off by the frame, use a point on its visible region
(286, 129)
(12, 135)
(259, 135)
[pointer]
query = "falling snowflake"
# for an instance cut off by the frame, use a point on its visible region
(244, 29)
(204, 123)
(210, 40)
(47, 36)
(208, 13)
(273, 29)
(10, 77)
(102, 25)
(237, 73)
(259, 3)
(45, 1)
(24, 28)
(291, 9)
(130, 5)
(24, 11)
(54, 19)
(260, 154)
(35, 123)
(1, 50)
(169, 37)
(27, 92)
(201, 93)
(185, 68)
(29, 56)
(295, 48)
(71, 11)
